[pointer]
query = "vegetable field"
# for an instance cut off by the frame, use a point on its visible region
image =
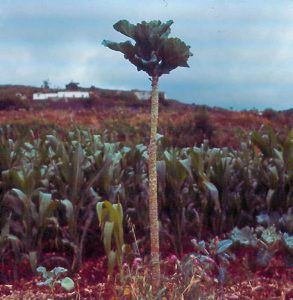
(69, 197)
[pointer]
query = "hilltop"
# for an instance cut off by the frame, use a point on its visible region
(126, 117)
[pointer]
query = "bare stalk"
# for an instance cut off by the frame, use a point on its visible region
(153, 198)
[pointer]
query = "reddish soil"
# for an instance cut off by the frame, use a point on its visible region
(275, 282)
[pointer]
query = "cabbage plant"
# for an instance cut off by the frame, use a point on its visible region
(155, 53)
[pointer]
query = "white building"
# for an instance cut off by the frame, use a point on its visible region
(44, 96)
(73, 94)
(146, 95)
(61, 95)
(142, 95)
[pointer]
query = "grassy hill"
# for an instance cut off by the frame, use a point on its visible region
(126, 118)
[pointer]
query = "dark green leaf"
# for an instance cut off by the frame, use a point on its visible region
(243, 236)
(223, 246)
(68, 284)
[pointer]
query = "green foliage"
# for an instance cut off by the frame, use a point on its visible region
(51, 184)
(214, 256)
(51, 278)
(154, 52)
(12, 100)
(243, 237)
(111, 222)
(265, 241)
(288, 243)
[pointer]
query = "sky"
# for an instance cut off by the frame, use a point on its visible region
(243, 49)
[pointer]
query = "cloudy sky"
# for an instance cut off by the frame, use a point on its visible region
(243, 49)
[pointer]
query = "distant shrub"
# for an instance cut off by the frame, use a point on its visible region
(10, 100)
(203, 124)
(270, 114)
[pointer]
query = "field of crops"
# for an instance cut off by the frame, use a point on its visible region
(54, 187)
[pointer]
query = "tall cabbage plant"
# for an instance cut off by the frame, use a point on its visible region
(155, 53)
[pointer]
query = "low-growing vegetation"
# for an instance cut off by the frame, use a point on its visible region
(52, 183)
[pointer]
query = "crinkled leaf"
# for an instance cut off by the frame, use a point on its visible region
(175, 53)
(153, 52)
(243, 236)
(143, 30)
(59, 270)
(270, 235)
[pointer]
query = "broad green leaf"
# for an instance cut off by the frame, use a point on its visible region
(99, 209)
(269, 197)
(126, 48)
(213, 191)
(68, 209)
(107, 235)
(20, 194)
(68, 284)
(111, 217)
(41, 269)
(186, 164)
(45, 201)
(223, 246)
(174, 53)
(126, 28)
(77, 172)
(17, 178)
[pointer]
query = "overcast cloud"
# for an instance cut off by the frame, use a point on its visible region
(243, 54)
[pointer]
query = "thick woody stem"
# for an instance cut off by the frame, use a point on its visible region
(153, 199)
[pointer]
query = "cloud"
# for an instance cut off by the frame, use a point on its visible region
(242, 49)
